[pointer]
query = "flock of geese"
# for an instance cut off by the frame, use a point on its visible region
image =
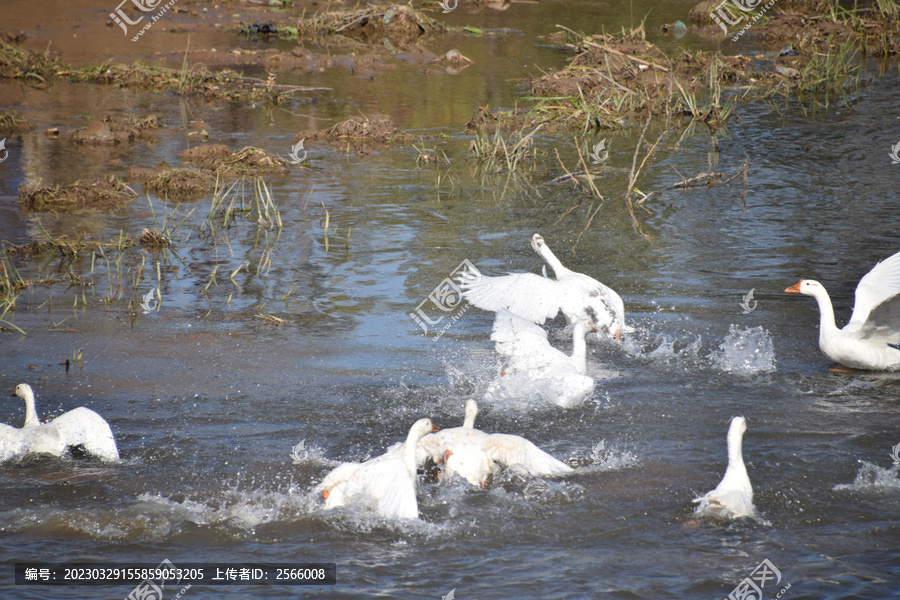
(522, 303)
(387, 483)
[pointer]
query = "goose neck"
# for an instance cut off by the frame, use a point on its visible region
(558, 269)
(579, 349)
(31, 418)
(826, 313)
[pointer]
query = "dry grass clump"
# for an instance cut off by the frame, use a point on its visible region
(13, 124)
(38, 70)
(105, 194)
(181, 184)
(400, 25)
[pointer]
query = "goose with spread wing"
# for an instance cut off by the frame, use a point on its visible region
(533, 365)
(386, 483)
(473, 454)
(538, 298)
(80, 428)
(733, 497)
(867, 341)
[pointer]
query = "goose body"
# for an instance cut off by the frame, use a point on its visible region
(80, 427)
(473, 454)
(386, 483)
(537, 298)
(865, 342)
(533, 364)
(733, 497)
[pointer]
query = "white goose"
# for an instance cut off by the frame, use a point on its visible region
(473, 454)
(875, 323)
(387, 483)
(733, 497)
(537, 298)
(80, 427)
(533, 364)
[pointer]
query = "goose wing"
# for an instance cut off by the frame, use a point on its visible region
(884, 322)
(877, 286)
(730, 504)
(528, 295)
(510, 450)
(11, 442)
(524, 343)
(387, 485)
(83, 427)
(333, 484)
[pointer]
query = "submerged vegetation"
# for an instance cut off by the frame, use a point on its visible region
(117, 273)
(614, 78)
(495, 152)
(40, 70)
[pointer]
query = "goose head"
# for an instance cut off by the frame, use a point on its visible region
(24, 391)
(807, 287)
(539, 246)
(736, 431)
(420, 428)
(583, 327)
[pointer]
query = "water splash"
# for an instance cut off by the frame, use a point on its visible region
(745, 352)
(611, 459)
(665, 349)
(241, 509)
(872, 478)
(552, 492)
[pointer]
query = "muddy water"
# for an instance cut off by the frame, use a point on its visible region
(207, 398)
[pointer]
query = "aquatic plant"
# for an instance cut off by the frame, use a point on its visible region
(496, 152)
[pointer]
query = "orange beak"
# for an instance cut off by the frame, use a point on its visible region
(434, 428)
(794, 289)
(325, 494)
